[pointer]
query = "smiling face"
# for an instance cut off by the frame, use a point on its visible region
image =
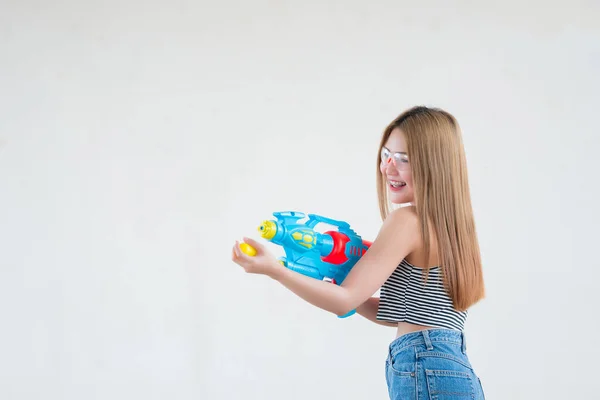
(395, 168)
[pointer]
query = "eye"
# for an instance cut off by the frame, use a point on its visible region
(385, 154)
(401, 158)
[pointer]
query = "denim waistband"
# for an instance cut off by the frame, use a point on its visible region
(427, 337)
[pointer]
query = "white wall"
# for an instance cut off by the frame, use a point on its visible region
(139, 139)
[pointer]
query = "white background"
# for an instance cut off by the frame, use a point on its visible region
(139, 139)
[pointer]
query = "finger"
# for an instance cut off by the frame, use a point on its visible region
(234, 254)
(257, 245)
(240, 254)
(236, 250)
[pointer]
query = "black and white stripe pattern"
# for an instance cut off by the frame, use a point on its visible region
(406, 297)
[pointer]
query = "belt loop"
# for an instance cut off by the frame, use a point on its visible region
(464, 343)
(427, 339)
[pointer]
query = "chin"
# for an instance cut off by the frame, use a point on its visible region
(402, 203)
(399, 199)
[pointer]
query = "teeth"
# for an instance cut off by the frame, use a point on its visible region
(397, 183)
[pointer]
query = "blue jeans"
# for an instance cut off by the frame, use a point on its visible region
(431, 365)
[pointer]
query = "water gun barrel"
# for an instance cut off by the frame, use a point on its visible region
(269, 229)
(308, 238)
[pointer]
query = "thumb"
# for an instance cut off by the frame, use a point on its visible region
(258, 246)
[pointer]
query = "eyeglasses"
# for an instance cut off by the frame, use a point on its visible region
(399, 159)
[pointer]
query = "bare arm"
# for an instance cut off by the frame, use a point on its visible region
(368, 309)
(397, 238)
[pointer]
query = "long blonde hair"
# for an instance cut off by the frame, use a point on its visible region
(442, 196)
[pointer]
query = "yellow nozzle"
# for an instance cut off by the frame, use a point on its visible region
(268, 229)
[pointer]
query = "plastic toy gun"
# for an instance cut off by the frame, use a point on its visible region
(325, 256)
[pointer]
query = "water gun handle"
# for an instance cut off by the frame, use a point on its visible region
(314, 219)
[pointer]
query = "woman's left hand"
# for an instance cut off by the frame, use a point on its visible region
(263, 262)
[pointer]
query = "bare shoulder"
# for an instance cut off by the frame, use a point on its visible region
(397, 238)
(404, 218)
(400, 231)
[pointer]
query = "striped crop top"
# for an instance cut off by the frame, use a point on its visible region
(406, 297)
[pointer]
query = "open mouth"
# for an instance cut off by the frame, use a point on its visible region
(396, 185)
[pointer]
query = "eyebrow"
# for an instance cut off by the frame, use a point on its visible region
(401, 152)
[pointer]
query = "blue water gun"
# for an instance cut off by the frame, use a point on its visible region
(327, 256)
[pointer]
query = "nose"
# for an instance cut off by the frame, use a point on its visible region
(389, 166)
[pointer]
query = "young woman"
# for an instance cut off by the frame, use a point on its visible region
(425, 259)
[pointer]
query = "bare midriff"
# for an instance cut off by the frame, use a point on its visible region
(405, 327)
